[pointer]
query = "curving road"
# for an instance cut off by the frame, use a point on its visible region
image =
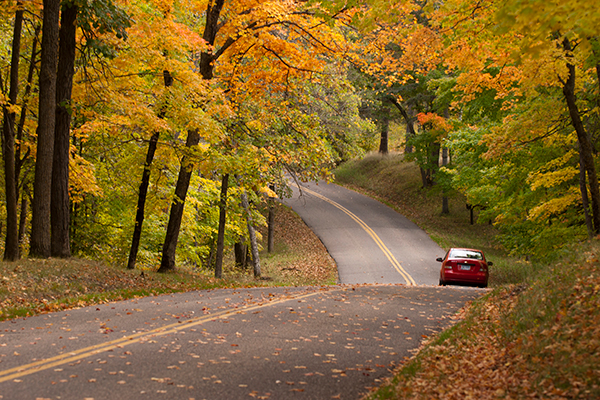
(369, 241)
(264, 343)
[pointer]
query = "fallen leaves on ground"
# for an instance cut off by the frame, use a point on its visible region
(538, 341)
(29, 287)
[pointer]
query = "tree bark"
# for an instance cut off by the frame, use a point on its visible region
(141, 204)
(213, 12)
(40, 224)
(252, 234)
(167, 262)
(11, 247)
(585, 145)
(60, 216)
(241, 254)
(21, 126)
(222, 220)
(585, 201)
(385, 128)
(23, 216)
(410, 129)
(271, 225)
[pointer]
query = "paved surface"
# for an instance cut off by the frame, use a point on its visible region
(298, 343)
(279, 343)
(369, 241)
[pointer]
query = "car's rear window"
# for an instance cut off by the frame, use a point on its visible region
(460, 253)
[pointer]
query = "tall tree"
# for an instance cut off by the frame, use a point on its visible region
(167, 262)
(60, 213)
(252, 235)
(385, 128)
(221, 231)
(585, 146)
(143, 191)
(11, 249)
(40, 224)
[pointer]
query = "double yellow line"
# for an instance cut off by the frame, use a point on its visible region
(72, 356)
(409, 280)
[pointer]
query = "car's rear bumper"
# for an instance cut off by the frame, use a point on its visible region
(456, 277)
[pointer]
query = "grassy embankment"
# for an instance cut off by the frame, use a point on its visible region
(536, 335)
(29, 287)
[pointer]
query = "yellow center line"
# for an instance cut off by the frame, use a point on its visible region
(61, 359)
(409, 280)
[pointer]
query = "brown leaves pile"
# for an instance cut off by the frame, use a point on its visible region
(29, 287)
(307, 261)
(542, 341)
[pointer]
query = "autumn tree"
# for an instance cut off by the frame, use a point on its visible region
(11, 249)
(262, 84)
(524, 59)
(40, 224)
(60, 205)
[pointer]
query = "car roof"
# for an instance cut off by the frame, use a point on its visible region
(465, 248)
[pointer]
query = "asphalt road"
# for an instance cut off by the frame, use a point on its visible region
(333, 342)
(283, 343)
(369, 241)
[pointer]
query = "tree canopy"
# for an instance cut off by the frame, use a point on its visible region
(279, 88)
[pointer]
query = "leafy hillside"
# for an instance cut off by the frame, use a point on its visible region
(29, 287)
(534, 336)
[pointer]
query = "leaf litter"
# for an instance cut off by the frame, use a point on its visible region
(536, 341)
(32, 286)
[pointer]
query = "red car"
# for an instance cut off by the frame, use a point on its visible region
(466, 266)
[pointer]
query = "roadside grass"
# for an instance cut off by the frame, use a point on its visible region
(397, 184)
(34, 286)
(536, 335)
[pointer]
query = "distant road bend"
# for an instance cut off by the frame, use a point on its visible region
(369, 241)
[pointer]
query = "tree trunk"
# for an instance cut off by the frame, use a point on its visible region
(222, 220)
(23, 216)
(585, 145)
(241, 254)
(271, 226)
(32, 64)
(141, 204)
(167, 262)
(585, 201)
(143, 191)
(11, 249)
(410, 129)
(434, 163)
(60, 216)
(424, 177)
(40, 224)
(385, 128)
(213, 12)
(252, 234)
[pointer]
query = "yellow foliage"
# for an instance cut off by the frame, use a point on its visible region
(82, 180)
(556, 205)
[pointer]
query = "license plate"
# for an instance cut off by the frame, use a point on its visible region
(465, 267)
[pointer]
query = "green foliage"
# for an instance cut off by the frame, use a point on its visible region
(424, 145)
(520, 191)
